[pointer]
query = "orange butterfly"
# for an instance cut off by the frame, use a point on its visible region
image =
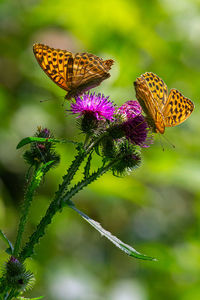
(74, 73)
(162, 109)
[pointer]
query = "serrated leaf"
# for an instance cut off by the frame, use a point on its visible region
(33, 139)
(10, 248)
(87, 166)
(117, 242)
(96, 147)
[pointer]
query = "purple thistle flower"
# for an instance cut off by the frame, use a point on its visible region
(135, 125)
(13, 260)
(136, 131)
(130, 109)
(97, 105)
(45, 133)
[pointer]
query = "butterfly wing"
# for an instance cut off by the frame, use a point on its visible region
(57, 64)
(157, 87)
(88, 67)
(88, 72)
(75, 74)
(177, 109)
(149, 104)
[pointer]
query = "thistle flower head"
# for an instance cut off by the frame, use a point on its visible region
(134, 126)
(97, 105)
(136, 131)
(129, 110)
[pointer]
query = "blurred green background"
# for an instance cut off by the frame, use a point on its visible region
(155, 209)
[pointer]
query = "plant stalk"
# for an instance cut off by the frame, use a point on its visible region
(54, 208)
(33, 184)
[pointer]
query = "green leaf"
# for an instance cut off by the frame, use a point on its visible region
(33, 139)
(7, 242)
(96, 147)
(22, 298)
(122, 246)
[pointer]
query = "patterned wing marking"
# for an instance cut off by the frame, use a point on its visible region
(159, 122)
(161, 110)
(178, 108)
(155, 118)
(88, 72)
(56, 64)
(75, 74)
(157, 87)
(88, 68)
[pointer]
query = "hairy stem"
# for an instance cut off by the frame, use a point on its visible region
(80, 185)
(76, 164)
(71, 172)
(34, 183)
(54, 208)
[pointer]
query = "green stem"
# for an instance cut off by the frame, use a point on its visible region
(37, 177)
(80, 185)
(70, 173)
(76, 164)
(54, 208)
(96, 141)
(40, 230)
(87, 138)
(59, 201)
(55, 205)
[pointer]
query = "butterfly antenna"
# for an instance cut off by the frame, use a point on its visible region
(63, 102)
(160, 139)
(53, 99)
(169, 142)
(161, 143)
(41, 101)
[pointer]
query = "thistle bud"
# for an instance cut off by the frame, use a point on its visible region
(16, 275)
(129, 159)
(108, 147)
(42, 152)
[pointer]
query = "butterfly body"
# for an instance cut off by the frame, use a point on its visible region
(75, 73)
(162, 109)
